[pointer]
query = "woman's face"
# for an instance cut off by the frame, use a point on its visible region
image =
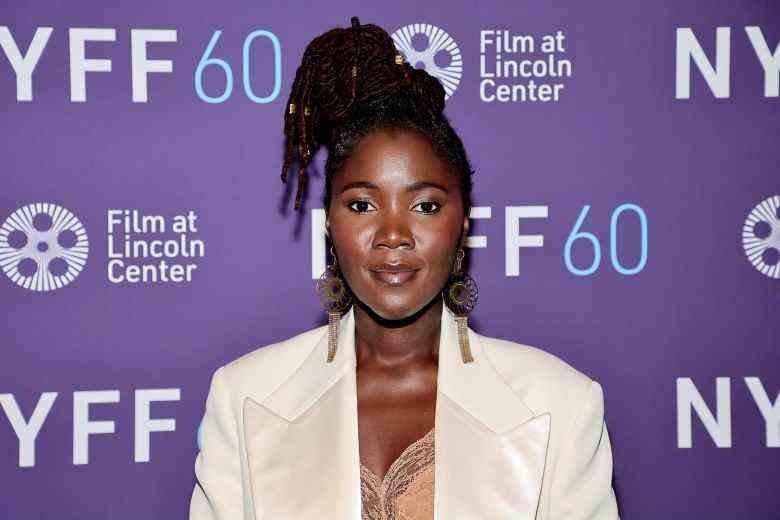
(396, 221)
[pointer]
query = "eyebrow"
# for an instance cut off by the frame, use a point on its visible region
(359, 184)
(412, 187)
(426, 184)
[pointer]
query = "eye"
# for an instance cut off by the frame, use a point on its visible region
(428, 207)
(359, 206)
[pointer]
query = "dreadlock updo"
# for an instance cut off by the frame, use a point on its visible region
(350, 84)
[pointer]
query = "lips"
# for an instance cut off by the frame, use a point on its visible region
(393, 274)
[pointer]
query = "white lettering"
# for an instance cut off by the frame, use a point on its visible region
(144, 424)
(770, 61)
(478, 212)
(689, 399)
(514, 240)
(142, 66)
(770, 411)
(27, 431)
(24, 65)
(83, 427)
(717, 77)
(80, 65)
(318, 252)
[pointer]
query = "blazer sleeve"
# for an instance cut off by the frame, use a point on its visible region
(582, 486)
(218, 490)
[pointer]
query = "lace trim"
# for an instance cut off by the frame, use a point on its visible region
(380, 498)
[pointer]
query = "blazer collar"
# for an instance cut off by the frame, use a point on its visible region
(476, 387)
(302, 440)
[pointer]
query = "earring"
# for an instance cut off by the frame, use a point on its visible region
(335, 297)
(461, 294)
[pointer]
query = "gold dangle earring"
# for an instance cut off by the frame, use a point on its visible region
(461, 294)
(336, 298)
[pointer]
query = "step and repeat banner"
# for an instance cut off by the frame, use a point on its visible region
(626, 219)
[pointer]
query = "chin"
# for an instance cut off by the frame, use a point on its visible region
(392, 312)
(393, 309)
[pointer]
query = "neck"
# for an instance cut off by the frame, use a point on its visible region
(397, 342)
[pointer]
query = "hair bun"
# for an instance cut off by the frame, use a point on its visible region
(428, 88)
(345, 71)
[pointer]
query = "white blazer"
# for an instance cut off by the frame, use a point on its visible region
(519, 434)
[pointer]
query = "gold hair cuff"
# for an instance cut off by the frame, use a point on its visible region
(306, 110)
(399, 59)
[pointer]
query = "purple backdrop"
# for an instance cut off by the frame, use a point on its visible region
(678, 311)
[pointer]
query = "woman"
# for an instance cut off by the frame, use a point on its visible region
(396, 409)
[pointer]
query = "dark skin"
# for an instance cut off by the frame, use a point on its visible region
(396, 220)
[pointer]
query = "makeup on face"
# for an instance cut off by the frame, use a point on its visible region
(395, 219)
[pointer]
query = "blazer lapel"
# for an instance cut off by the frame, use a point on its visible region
(304, 460)
(490, 447)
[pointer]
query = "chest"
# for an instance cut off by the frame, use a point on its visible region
(294, 440)
(394, 412)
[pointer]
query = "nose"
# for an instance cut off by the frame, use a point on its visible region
(393, 233)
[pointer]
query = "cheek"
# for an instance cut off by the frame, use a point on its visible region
(436, 241)
(352, 244)
(437, 244)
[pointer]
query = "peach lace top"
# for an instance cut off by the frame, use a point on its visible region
(406, 491)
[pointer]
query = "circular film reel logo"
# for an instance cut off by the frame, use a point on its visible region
(761, 237)
(42, 246)
(435, 49)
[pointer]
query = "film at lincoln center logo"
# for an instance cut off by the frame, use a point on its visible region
(430, 46)
(761, 236)
(43, 246)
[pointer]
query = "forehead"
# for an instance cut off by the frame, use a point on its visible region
(396, 157)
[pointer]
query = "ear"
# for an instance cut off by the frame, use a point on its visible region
(327, 228)
(465, 234)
